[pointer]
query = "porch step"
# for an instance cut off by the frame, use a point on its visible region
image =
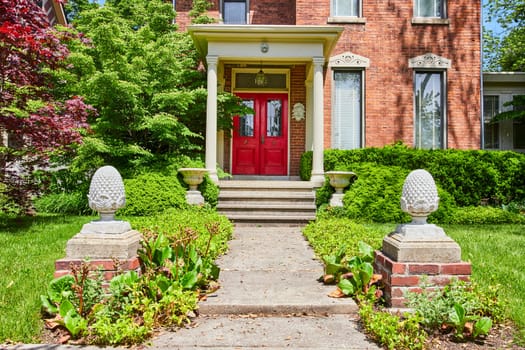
(259, 201)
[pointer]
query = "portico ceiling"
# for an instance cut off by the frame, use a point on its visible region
(283, 42)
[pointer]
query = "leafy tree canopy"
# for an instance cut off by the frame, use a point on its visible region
(146, 81)
(36, 124)
(506, 52)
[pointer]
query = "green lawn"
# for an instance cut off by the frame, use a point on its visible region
(29, 247)
(28, 250)
(497, 253)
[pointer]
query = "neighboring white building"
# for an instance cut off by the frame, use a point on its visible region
(498, 89)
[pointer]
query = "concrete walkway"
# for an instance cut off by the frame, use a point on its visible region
(270, 298)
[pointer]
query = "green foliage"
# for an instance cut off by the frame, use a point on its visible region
(75, 203)
(152, 193)
(483, 215)
(392, 331)
(177, 265)
(374, 196)
(470, 176)
(456, 305)
(506, 50)
(143, 77)
(328, 235)
(359, 283)
(198, 12)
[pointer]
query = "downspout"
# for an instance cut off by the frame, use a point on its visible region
(482, 109)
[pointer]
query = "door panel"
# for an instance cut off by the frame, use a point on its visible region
(260, 139)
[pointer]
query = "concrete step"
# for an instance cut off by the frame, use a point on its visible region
(267, 201)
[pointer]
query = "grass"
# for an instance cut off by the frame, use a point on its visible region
(29, 247)
(497, 256)
(495, 251)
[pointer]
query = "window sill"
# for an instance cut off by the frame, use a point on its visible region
(430, 20)
(350, 20)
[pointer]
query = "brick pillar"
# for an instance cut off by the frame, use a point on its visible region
(402, 277)
(107, 267)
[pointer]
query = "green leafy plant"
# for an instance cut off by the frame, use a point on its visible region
(468, 325)
(464, 307)
(355, 276)
(394, 331)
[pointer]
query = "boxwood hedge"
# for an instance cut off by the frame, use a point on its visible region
(472, 177)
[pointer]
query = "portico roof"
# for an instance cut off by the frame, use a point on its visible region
(205, 34)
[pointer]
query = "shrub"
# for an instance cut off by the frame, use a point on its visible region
(483, 215)
(152, 193)
(470, 176)
(75, 203)
(375, 194)
(327, 236)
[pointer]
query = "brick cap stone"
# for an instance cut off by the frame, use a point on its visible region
(421, 243)
(106, 227)
(103, 246)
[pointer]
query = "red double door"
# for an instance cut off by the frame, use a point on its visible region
(260, 139)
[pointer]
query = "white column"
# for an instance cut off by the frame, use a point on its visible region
(317, 177)
(211, 119)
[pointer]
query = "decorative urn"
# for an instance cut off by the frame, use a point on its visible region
(339, 179)
(419, 197)
(106, 192)
(193, 176)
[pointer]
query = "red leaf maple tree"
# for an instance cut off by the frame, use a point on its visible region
(34, 125)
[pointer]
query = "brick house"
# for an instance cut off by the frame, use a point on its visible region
(338, 74)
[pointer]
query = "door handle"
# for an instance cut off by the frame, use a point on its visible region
(262, 139)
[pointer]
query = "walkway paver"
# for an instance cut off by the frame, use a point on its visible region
(270, 298)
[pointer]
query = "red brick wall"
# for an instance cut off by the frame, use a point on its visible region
(389, 40)
(272, 12)
(276, 12)
(297, 128)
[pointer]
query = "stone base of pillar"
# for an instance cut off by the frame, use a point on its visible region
(317, 180)
(402, 277)
(108, 268)
(103, 245)
(105, 253)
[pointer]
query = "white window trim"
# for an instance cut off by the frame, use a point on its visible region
(349, 61)
(346, 19)
(221, 11)
(430, 20)
(430, 62)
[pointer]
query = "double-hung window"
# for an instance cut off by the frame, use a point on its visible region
(430, 122)
(348, 72)
(429, 110)
(429, 8)
(490, 129)
(234, 11)
(346, 8)
(347, 116)
(518, 129)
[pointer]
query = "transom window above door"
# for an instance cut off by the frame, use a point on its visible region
(234, 11)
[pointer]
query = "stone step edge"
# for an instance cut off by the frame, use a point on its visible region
(277, 309)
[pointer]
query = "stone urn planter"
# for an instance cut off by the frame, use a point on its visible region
(193, 177)
(339, 180)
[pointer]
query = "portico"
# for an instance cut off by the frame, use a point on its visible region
(278, 49)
